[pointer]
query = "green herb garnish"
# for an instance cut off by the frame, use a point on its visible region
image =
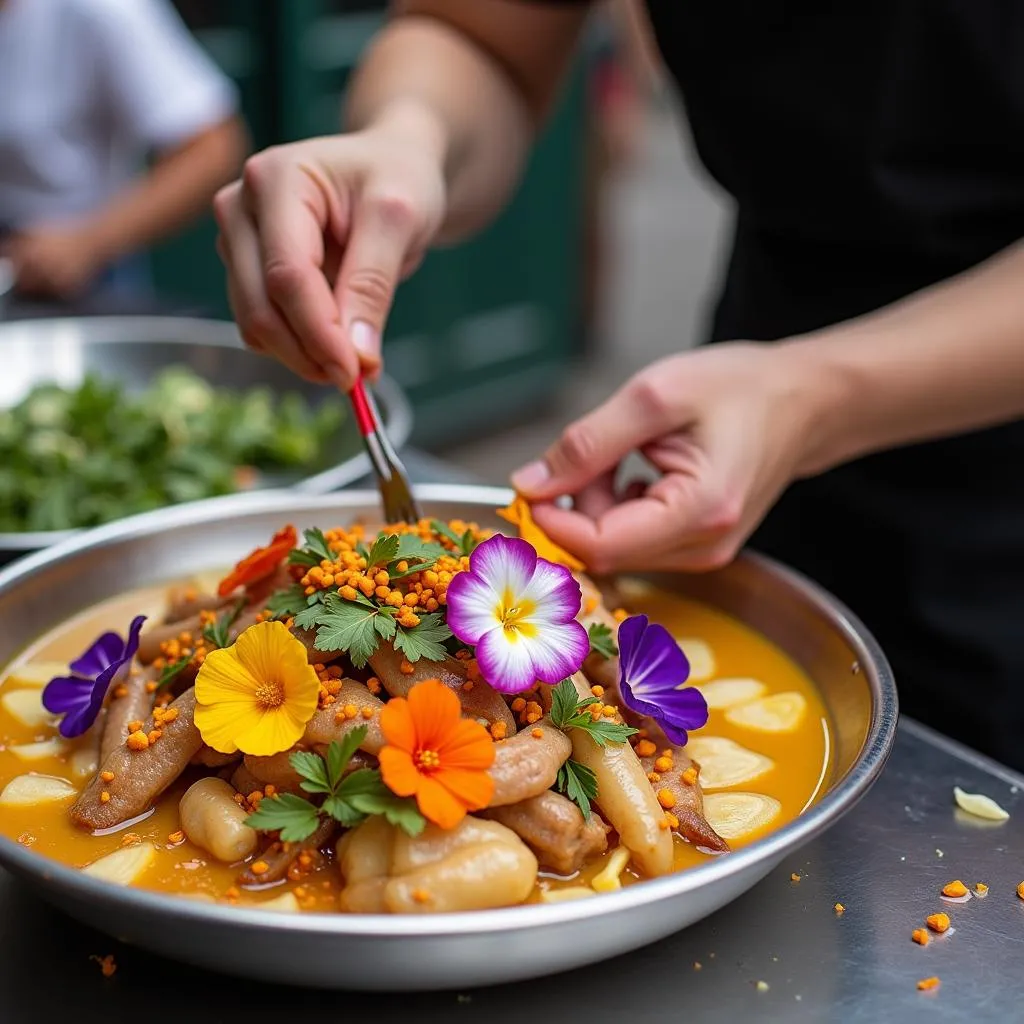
(349, 799)
(283, 604)
(601, 640)
(218, 633)
(568, 711)
(171, 672)
(578, 783)
(314, 551)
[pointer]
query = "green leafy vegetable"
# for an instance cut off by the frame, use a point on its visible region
(82, 456)
(578, 783)
(314, 551)
(283, 604)
(464, 545)
(425, 640)
(601, 640)
(171, 672)
(347, 626)
(568, 711)
(218, 633)
(384, 549)
(349, 799)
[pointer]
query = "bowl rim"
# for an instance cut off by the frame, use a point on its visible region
(215, 333)
(844, 795)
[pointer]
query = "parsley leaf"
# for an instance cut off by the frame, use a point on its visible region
(397, 574)
(339, 753)
(347, 626)
(384, 549)
(365, 791)
(444, 530)
(601, 640)
(171, 672)
(295, 818)
(468, 543)
(411, 548)
(313, 771)
(315, 551)
(218, 633)
(425, 640)
(284, 603)
(578, 783)
(309, 616)
(385, 625)
(568, 711)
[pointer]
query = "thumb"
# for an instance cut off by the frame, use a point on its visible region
(635, 415)
(381, 237)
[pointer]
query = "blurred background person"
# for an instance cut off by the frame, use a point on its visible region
(88, 90)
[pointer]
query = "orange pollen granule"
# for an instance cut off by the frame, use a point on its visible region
(427, 760)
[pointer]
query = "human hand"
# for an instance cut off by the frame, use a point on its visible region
(728, 428)
(54, 262)
(317, 235)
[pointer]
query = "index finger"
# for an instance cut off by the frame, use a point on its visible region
(292, 215)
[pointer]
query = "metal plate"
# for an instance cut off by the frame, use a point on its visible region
(379, 952)
(134, 349)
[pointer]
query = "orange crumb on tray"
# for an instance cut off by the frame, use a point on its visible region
(928, 984)
(920, 936)
(794, 877)
(107, 964)
(1020, 890)
(839, 908)
(955, 889)
(938, 922)
(980, 888)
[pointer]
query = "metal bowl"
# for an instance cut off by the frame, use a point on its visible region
(381, 952)
(134, 349)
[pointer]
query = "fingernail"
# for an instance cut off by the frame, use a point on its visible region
(531, 476)
(365, 339)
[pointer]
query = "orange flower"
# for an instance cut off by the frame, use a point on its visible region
(261, 563)
(519, 514)
(435, 754)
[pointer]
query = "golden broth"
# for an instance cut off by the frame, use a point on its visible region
(800, 773)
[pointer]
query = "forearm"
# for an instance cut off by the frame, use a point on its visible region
(178, 187)
(441, 85)
(944, 361)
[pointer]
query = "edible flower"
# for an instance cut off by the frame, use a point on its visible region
(259, 564)
(257, 695)
(79, 696)
(435, 754)
(652, 668)
(520, 613)
(520, 515)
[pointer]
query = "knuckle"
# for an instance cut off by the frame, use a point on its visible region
(394, 209)
(282, 279)
(256, 325)
(725, 513)
(577, 447)
(651, 399)
(372, 286)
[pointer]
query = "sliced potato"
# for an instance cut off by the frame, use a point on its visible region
(724, 762)
(781, 712)
(727, 693)
(84, 763)
(38, 751)
(286, 903)
(35, 673)
(30, 790)
(700, 656)
(125, 866)
(735, 815)
(570, 892)
(26, 707)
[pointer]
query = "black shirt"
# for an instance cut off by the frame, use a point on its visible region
(875, 148)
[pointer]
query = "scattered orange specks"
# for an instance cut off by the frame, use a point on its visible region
(689, 776)
(980, 889)
(663, 764)
(955, 889)
(645, 748)
(938, 922)
(537, 734)
(666, 798)
(260, 867)
(928, 984)
(794, 877)
(107, 776)
(421, 896)
(104, 797)
(920, 936)
(1020, 890)
(839, 909)
(131, 839)
(107, 964)
(137, 740)
(176, 838)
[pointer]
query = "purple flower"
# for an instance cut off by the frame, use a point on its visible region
(652, 667)
(79, 696)
(520, 613)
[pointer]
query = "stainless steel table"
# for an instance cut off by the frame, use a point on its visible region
(886, 863)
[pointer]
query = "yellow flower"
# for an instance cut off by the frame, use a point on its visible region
(519, 514)
(257, 695)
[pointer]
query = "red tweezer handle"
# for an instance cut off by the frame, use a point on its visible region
(361, 407)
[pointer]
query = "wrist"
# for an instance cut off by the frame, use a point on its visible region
(414, 124)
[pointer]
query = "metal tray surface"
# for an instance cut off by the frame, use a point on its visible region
(389, 953)
(132, 349)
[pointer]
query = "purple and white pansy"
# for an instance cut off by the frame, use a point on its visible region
(519, 612)
(79, 696)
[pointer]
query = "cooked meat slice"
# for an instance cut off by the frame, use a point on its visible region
(689, 800)
(481, 701)
(330, 723)
(186, 600)
(140, 776)
(526, 765)
(210, 758)
(554, 828)
(130, 701)
(282, 859)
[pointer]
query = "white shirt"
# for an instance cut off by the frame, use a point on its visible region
(87, 88)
